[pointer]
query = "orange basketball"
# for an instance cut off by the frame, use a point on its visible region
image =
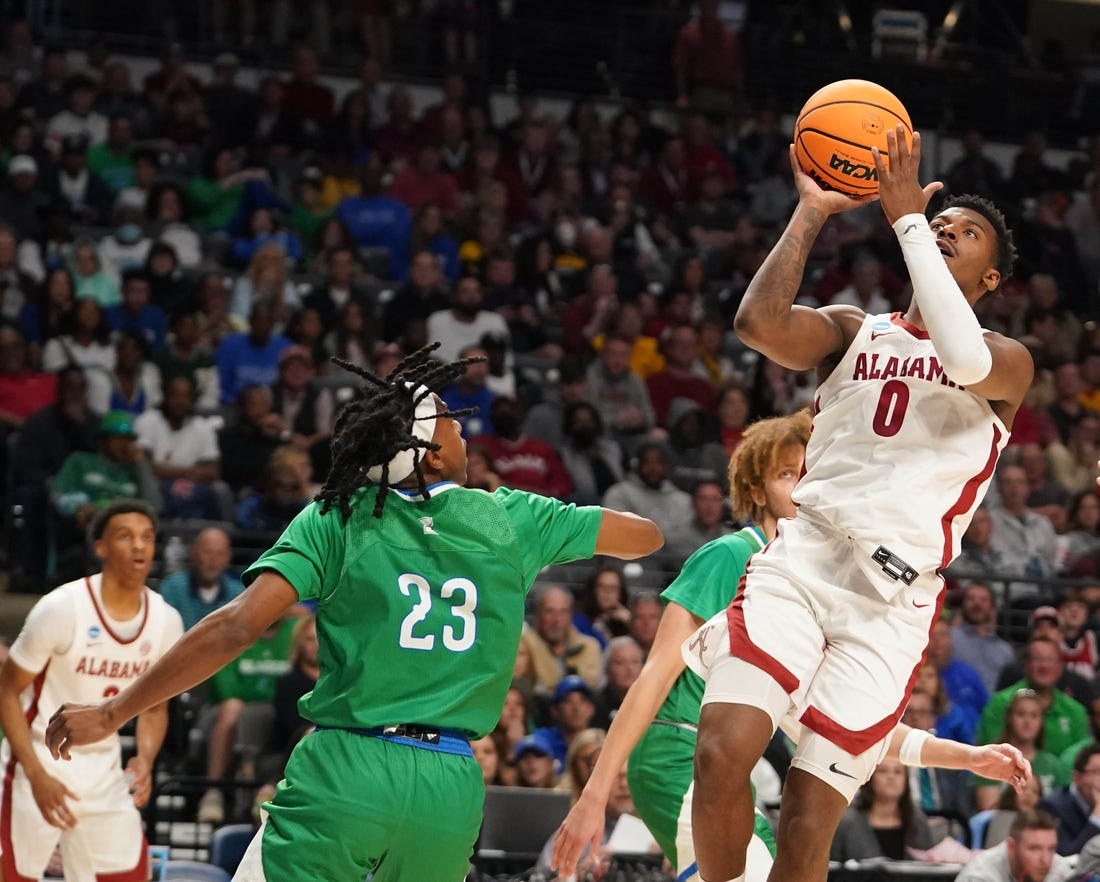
(837, 128)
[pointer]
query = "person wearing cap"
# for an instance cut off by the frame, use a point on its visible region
(307, 410)
(572, 711)
(22, 202)
(1065, 720)
(119, 468)
(535, 763)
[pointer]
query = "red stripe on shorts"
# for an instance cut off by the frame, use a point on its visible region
(742, 647)
(856, 742)
(7, 857)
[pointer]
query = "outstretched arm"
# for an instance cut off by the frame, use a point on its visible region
(583, 826)
(768, 320)
(627, 536)
(999, 762)
(209, 646)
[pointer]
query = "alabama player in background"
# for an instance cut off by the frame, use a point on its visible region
(83, 642)
(913, 411)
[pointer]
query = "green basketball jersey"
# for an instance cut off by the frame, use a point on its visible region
(419, 612)
(707, 583)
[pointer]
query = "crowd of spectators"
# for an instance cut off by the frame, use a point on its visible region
(182, 256)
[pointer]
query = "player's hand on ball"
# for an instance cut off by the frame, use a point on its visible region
(583, 826)
(899, 186)
(812, 193)
(50, 796)
(1001, 762)
(73, 725)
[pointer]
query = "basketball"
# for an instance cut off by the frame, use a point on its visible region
(837, 128)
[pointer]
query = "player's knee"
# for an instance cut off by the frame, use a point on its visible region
(719, 757)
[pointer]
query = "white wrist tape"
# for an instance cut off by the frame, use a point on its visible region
(950, 320)
(911, 746)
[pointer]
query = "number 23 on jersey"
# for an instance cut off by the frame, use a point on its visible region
(461, 596)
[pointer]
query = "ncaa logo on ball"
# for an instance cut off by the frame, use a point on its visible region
(858, 170)
(872, 123)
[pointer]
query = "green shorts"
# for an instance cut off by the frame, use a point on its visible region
(660, 772)
(353, 804)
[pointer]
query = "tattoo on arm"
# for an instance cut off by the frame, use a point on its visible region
(775, 285)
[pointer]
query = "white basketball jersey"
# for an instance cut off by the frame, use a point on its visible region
(98, 662)
(899, 455)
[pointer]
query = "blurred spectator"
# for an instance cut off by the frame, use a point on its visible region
(49, 313)
(126, 247)
(17, 289)
(466, 322)
(308, 211)
(425, 183)
(935, 790)
(87, 481)
(1032, 172)
(288, 727)
(92, 281)
(601, 608)
(522, 462)
(246, 444)
(622, 665)
(216, 193)
(1027, 853)
(377, 220)
(136, 313)
(1073, 465)
(645, 617)
(974, 639)
(46, 94)
(133, 384)
(267, 280)
(733, 416)
(593, 461)
(708, 62)
(207, 583)
(339, 288)
(618, 393)
(535, 764)
(627, 322)
(1079, 648)
(1023, 729)
(1064, 719)
(1082, 537)
(78, 119)
(304, 96)
(167, 209)
(184, 356)
(278, 499)
(353, 337)
(707, 522)
(45, 440)
(251, 358)
(1047, 246)
(693, 457)
(1075, 807)
(144, 168)
(647, 488)
(953, 720)
(247, 681)
(679, 379)
(307, 410)
(974, 172)
(227, 103)
(963, 683)
(23, 390)
(262, 226)
(557, 647)
(1066, 408)
(572, 712)
(469, 390)
(23, 201)
(488, 757)
(111, 160)
(529, 170)
(546, 419)
(86, 194)
(216, 322)
(1025, 541)
(1045, 495)
(883, 820)
(422, 295)
(183, 449)
(84, 341)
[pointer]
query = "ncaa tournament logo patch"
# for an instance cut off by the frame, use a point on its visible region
(881, 326)
(94, 632)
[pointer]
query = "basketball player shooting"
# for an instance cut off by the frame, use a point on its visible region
(913, 410)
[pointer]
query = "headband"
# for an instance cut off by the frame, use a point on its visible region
(423, 427)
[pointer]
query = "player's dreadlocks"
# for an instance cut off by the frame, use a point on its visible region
(377, 425)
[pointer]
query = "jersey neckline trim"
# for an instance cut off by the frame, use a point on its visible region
(434, 489)
(106, 623)
(896, 319)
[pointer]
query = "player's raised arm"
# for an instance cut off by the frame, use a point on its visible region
(768, 320)
(627, 536)
(210, 645)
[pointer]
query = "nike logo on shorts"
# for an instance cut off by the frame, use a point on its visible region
(837, 771)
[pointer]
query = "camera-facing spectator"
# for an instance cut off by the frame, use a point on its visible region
(206, 584)
(557, 647)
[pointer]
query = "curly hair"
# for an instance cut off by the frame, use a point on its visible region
(378, 424)
(761, 444)
(1006, 248)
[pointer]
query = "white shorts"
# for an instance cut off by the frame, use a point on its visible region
(811, 635)
(107, 840)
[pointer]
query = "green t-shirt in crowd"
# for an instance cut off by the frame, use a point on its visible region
(707, 583)
(254, 673)
(1065, 722)
(419, 612)
(212, 205)
(90, 477)
(114, 169)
